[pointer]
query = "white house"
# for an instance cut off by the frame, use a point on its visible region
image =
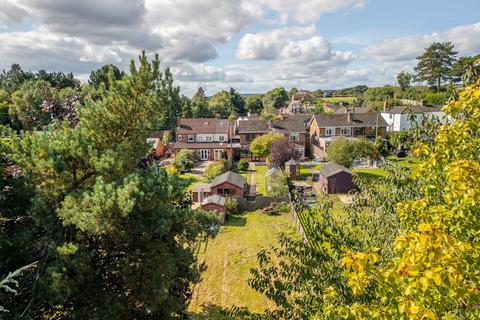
(398, 118)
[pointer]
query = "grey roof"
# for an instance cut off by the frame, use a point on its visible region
(253, 126)
(202, 125)
(230, 177)
(368, 119)
(333, 168)
(288, 126)
(291, 162)
(215, 199)
(298, 116)
(414, 109)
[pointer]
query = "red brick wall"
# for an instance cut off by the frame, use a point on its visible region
(236, 190)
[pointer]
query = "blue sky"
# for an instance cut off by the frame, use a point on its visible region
(250, 45)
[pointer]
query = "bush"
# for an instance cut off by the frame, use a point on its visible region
(345, 151)
(214, 169)
(231, 205)
(242, 165)
(183, 161)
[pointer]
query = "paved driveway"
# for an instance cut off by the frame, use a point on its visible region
(199, 168)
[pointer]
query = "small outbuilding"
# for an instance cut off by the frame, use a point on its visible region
(215, 203)
(336, 178)
(229, 184)
(292, 169)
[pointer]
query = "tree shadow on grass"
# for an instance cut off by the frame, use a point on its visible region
(235, 220)
(210, 312)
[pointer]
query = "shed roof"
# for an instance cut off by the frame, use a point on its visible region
(291, 162)
(215, 199)
(332, 168)
(230, 177)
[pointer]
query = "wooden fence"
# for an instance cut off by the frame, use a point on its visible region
(298, 222)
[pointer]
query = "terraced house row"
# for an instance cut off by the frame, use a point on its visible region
(215, 139)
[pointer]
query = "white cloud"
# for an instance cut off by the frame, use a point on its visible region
(310, 10)
(11, 13)
(465, 38)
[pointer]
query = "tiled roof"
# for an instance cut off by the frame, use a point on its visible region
(332, 168)
(368, 119)
(288, 126)
(202, 125)
(415, 109)
(215, 199)
(230, 177)
(253, 126)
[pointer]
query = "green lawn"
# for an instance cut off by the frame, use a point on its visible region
(306, 171)
(339, 99)
(259, 176)
(407, 162)
(370, 173)
(229, 258)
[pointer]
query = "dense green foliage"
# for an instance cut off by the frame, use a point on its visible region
(344, 151)
(102, 76)
(403, 79)
(214, 169)
(111, 237)
(260, 146)
(242, 165)
(184, 160)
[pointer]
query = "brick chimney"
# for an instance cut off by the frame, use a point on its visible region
(385, 106)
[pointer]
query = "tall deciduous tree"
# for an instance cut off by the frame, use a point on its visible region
(112, 240)
(254, 104)
(435, 65)
(274, 100)
(260, 146)
(403, 79)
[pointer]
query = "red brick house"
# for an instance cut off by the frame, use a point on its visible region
(293, 127)
(324, 128)
(208, 138)
(335, 178)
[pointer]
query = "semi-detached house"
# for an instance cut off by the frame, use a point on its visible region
(208, 138)
(292, 127)
(325, 128)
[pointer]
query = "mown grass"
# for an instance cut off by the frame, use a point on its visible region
(230, 256)
(407, 162)
(259, 176)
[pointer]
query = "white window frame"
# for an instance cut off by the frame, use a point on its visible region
(208, 138)
(217, 154)
(345, 131)
(179, 137)
(294, 136)
(191, 138)
(221, 138)
(331, 130)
